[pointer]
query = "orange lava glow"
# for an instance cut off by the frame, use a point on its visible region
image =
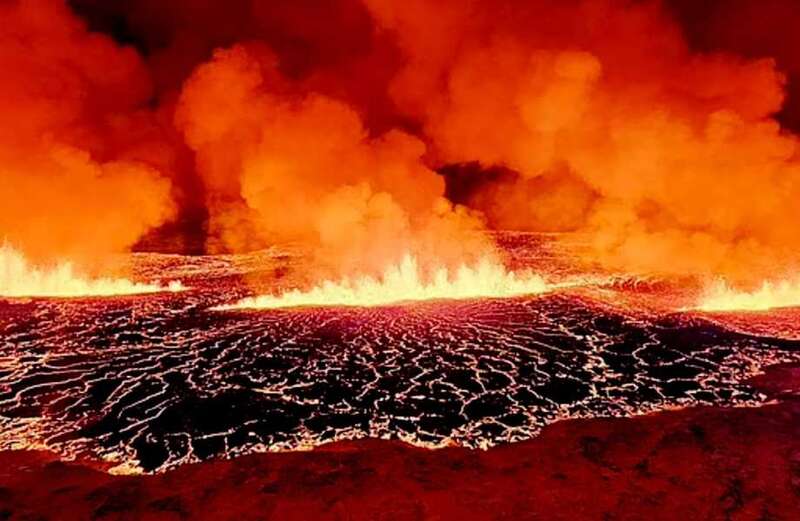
(770, 295)
(405, 282)
(19, 278)
(367, 129)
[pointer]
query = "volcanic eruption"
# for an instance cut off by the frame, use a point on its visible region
(353, 136)
(247, 226)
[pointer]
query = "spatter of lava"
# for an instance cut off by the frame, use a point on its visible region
(20, 278)
(720, 296)
(405, 283)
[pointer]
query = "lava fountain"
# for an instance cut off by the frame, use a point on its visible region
(721, 296)
(405, 282)
(20, 278)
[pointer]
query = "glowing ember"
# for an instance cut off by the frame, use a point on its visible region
(18, 278)
(404, 283)
(722, 297)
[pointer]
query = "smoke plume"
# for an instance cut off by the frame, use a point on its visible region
(82, 164)
(281, 164)
(661, 130)
(669, 159)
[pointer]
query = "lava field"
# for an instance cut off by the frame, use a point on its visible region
(147, 383)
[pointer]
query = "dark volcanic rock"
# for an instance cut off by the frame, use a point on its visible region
(701, 463)
(161, 380)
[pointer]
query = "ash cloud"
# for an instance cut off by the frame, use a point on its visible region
(662, 130)
(84, 166)
(670, 159)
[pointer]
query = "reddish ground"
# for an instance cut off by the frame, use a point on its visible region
(705, 463)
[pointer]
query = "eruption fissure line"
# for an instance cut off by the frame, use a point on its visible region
(770, 295)
(20, 279)
(404, 282)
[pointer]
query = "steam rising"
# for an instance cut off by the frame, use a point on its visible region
(326, 124)
(671, 160)
(78, 177)
(294, 166)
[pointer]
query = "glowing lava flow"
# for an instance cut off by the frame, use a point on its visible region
(722, 297)
(18, 278)
(404, 283)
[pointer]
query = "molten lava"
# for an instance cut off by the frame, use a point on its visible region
(19, 278)
(405, 282)
(771, 295)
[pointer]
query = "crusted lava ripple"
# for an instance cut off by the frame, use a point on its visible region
(150, 382)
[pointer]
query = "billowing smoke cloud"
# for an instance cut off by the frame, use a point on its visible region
(670, 159)
(80, 161)
(285, 165)
(343, 124)
(751, 29)
(331, 46)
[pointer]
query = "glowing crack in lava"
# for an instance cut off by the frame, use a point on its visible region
(404, 282)
(151, 383)
(19, 278)
(771, 295)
